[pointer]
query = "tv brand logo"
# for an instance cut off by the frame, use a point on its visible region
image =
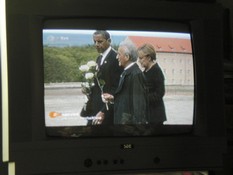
(127, 146)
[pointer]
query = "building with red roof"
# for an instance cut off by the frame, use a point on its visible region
(174, 55)
(161, 44)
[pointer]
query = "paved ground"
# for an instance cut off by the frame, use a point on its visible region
(69, 100)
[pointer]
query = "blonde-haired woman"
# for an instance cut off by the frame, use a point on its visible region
(154, 84)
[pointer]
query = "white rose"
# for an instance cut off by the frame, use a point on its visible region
(89, 75)
(85, 85)
(91, 63)
(84, 68)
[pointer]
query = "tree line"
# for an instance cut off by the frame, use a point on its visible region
(61, 64)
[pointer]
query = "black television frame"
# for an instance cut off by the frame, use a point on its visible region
(35, 153)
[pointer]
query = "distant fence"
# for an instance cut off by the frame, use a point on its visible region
(170, 89)
(64, 85)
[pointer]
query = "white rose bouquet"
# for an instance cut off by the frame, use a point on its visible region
(89, 71)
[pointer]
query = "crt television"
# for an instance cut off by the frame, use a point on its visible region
(42, 145)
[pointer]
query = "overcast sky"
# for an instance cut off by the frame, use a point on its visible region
(124, 33)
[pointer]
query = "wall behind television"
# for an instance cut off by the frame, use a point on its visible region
(228, 79)
(228, 64)
(228, 4)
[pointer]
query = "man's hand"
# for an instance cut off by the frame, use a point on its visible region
(107, 98)
(99, 118)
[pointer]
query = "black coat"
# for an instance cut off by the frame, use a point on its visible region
(129, 99)
(155, 92)
(109, 72)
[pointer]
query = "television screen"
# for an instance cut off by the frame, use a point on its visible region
(70, 68)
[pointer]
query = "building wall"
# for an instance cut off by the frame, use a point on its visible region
(177, 68)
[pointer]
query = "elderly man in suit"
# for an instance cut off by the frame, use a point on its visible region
(129, 98)
(108, 71)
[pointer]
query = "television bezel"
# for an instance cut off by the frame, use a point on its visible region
(35, 153)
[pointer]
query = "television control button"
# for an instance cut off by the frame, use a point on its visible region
(99, 162)
(88, 163)
(105, 162)
(122, 161)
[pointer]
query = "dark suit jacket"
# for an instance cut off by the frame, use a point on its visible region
(109, 72)
(129, 99)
